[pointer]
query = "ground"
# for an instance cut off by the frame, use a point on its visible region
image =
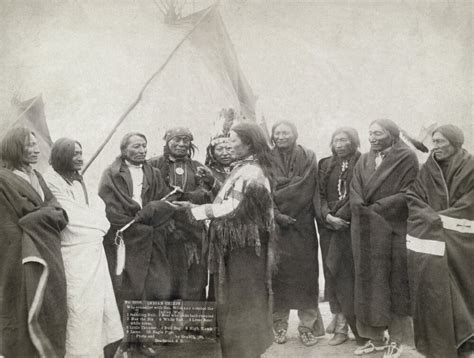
(293, 348)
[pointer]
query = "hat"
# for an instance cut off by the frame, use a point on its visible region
(452, 133)
(177, 132)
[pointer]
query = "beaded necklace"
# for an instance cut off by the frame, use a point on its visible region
(341, 183)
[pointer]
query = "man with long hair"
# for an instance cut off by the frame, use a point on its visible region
(296, 196)
(241, 240)
(440, 244)
(378, 229)
(335, 175)
(218, 157)
(32, 280)
(179, 170)
(94, 320)
(131, 190)
(218, 161)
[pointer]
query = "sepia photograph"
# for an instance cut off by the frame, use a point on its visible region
(236, 178)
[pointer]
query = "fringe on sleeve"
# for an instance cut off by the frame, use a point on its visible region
(242, 227)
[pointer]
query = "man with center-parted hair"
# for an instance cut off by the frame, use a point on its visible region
(131, 190)
(378, 229)
(335, 175)
(93, 316)
(33, 314)
(441, 248)
(296, 197)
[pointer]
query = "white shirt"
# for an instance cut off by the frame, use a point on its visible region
(136, 172)
(78, 192)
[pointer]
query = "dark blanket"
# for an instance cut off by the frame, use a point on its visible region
(147, 271)
(187, 255)
(378, 230)
(188, 181)
(33, 313)
(219, 173)
(336, 245)
(295, 283)
(329, 171)
(441, 258)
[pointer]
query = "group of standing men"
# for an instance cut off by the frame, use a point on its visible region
(396, 241)
(61, 268)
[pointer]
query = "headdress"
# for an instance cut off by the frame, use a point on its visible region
(222, 126)
(220, 133)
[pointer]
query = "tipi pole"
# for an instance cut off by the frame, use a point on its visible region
(140, 94)
(18, 117)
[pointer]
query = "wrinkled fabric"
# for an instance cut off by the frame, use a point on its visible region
(220, 173)
(295, 282)
(441, 285)
(147, 273)
(93, 316)
(33, 312)
(336, 245)
(241, 242)
(187, 255)
(378, 230)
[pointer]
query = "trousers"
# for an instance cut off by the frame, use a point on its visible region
(309, 319)
(398, 330)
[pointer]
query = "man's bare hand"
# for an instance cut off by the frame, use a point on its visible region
(182, 205)
(337, 223)
(285, 220)
(205, 174)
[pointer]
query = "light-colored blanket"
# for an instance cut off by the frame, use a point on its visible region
(93, 317)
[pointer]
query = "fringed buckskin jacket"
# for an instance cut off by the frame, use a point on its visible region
(242, 208)
(241, 255)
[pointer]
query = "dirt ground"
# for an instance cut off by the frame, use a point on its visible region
(293, 348)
